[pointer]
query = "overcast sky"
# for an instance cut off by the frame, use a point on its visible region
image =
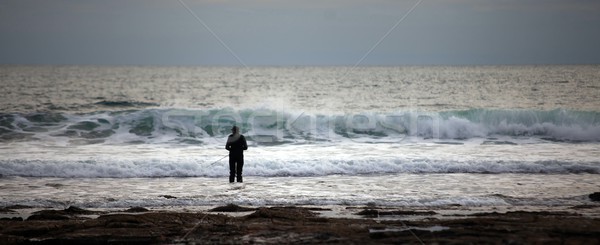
(292, 32)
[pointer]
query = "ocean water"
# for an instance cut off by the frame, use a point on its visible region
(474, 136)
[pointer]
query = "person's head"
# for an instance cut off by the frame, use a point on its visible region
(235, 129)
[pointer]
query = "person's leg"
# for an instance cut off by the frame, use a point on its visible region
(231, 169)
(240, 165)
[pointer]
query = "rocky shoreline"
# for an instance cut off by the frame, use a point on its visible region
(277, 225)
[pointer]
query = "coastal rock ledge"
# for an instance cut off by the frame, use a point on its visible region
(595, 196)
(298, 225)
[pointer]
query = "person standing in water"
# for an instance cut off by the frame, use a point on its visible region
(236, 145)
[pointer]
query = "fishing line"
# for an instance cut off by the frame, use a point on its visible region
(409, 230)
(218, 160)
(195, 227)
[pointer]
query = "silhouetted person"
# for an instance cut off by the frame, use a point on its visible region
(236, 145)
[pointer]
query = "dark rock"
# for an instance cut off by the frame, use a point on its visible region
(13, 219)
(369, 212)
(289, 225)
(76, 210)
(64, 214)
(48, 216)
(595, 196)
(231, 208)
(319, 209)
(168, 196)
(136, 210)
(585, 206)
(288, 213)
(376, 213)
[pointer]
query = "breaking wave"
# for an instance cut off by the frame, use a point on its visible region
(262, 166)
(187, 126)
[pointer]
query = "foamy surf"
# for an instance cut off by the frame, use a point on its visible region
(350, 158)
(395, 190)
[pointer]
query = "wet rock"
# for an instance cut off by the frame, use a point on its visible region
(289, 213)
(136, 210)
(76, 210)
(48, 216)
(231, 208)
(377, 213)
(13, 219)
(168, 196)
(64, 214)
(585, 207)
(294, 225)
(595, 196)
(123, 221)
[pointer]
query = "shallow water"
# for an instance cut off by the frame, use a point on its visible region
(407, 190)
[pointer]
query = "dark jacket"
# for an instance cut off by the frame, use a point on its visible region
(237, 148)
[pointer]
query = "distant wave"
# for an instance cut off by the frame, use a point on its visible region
(125, 103)
(187, 126)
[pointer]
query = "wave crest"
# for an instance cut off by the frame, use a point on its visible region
(281, 127)
(269, 167)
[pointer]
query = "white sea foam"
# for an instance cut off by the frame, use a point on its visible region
(279, 166)
(399, 190)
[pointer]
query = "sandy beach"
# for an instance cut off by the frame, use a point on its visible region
(232, 224)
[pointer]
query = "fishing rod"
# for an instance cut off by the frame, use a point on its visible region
(218, 160)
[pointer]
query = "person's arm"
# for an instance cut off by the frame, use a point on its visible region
(228, 146)
(244, 145)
